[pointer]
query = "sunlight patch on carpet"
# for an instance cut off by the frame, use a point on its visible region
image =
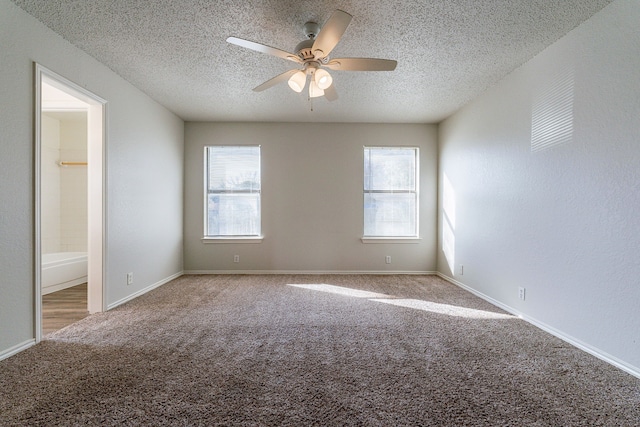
(357, 293)
(450, 310)
(433, 307)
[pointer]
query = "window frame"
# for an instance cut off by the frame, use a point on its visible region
(415, 238)
(239, 238)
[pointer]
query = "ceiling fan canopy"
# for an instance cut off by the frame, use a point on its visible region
(312, 56)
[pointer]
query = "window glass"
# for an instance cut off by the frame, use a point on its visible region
(233, 191)
(390, 192)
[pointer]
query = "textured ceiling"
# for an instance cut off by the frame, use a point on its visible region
(448, 52)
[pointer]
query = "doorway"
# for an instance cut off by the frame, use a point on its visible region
(69, 193)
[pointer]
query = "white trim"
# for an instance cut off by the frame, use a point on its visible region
(37, 226)
(97, 117)
(410, 240)
(232, 239)
(386, 272)
(602, 355)
(17, 349)
(144, 291)
(60, 286)
(479, 294)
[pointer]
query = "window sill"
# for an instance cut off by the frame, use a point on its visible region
(391, 239)
(233, 239)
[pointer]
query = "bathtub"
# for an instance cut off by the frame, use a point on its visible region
(62, 270)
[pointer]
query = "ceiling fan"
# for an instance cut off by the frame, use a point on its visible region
(312, 55)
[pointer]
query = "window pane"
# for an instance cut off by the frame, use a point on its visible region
(389, 214)
(390, 169)
(233, 214)
(390, 191)
(234, 168)
(233, 191)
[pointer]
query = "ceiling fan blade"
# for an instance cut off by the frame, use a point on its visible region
(362, 64)
(330, 34)
(274, 81)
(330, 93)
(264, 49)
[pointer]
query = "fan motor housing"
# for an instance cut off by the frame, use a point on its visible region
(311, 29)
(303, 49)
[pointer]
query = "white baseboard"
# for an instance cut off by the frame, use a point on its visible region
(480, 294)
(60, 286)
(602, 355)
(421, 273)
(144, 291)
(16, 349)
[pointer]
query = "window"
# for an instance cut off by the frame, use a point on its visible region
(390, 192)
(233, 191)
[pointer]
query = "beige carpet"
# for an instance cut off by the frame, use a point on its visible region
(252, 351)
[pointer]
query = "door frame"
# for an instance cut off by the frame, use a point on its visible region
(96, 189)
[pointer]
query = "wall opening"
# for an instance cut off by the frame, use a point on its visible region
(69, 191)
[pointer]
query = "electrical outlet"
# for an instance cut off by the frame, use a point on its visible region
(387, 259)
(129, 278)
(522, 293)
(461, 270)
(236, 258)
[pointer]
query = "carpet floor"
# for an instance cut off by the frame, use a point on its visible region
(355, 350)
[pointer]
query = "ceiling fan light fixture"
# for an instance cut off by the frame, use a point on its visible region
(322, 78)
(314, 90)
(312, 54)
(297, 81)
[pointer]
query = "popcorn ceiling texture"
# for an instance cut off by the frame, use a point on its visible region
(447, 52)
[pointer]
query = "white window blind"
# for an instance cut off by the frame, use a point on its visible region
(390, 192)
(233, 191)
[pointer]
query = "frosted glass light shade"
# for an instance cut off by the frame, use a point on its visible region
(297, 81)
(314, 90)
(322, 78)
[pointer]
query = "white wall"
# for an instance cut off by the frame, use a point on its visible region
(562, 222)
(144, 174)
(312, 180)
(73, 185)
(63, 189)
(50, 184)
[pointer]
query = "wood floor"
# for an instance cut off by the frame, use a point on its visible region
(63, 308)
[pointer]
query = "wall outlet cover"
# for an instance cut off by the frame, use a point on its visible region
(522, 293)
